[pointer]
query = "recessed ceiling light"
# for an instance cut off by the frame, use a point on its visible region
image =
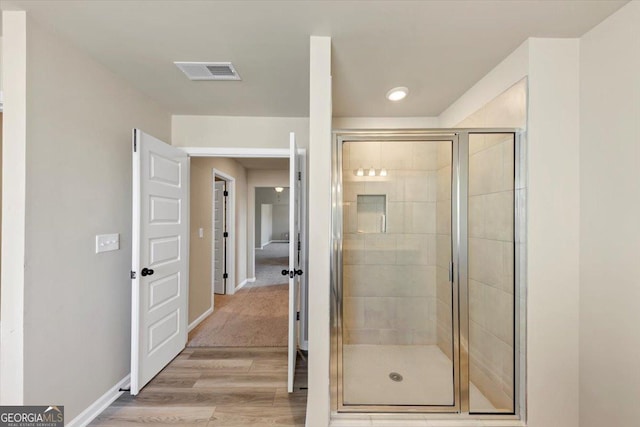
(397, 93)
(279, 189)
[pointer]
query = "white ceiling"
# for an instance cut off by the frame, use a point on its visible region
(264, 163)
(437, 48)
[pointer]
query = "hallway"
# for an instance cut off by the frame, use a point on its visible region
(256, 315)
(217, 387)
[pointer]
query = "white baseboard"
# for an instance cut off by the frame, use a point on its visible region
(244, 282)
(101, 404)
(251, 279)
(279, 241)
(304, 345)
(200, 319)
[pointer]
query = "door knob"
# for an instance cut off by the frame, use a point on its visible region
(292, 273)
(146, 272)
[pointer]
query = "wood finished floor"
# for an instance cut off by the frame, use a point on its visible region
(212, 387)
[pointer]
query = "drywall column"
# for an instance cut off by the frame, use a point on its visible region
(320, 112)
(609, 228)
(14, 62)
(553, 233)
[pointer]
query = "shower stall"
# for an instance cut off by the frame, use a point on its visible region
(427, 272)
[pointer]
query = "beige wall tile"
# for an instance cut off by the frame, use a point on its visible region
(444, 183)
(420, 217)
(364, 154)
(486, 171)
(424, 156)
(353, 249)
(396, 155)
(351, 189)
(395, 217)
(476, 220)
(380, 313)
(346, 157)
(416, 249)
(380, 249)
(445, 152)
(349, 217)
(443, 251)
(498, 215)
(443, 216)
(353, 312)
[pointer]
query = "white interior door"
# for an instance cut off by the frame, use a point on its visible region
(219, 251)
(160, 243)
(294, 258)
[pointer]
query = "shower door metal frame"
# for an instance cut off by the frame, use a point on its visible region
(459, 256)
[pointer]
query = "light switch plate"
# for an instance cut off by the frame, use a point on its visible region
(107, 242)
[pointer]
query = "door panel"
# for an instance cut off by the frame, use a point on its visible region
(159, 256)
(294, 259)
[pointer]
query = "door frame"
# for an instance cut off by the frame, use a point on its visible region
(230, 225)
(268, 153)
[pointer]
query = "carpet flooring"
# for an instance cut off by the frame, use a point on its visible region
(257, 314)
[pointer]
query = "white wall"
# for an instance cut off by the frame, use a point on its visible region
(553, 233)
(13, 207)
(609, 215)
(246, 132)
(320, 230)
(266, 222)
(385, 122)
(78, 125)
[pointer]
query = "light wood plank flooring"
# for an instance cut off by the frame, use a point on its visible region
(211, 387)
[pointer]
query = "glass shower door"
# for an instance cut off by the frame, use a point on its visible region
(398, 345)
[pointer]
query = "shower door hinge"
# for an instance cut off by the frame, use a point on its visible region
(451, 271)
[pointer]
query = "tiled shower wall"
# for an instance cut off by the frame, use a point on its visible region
(491, 263)
(491, 246)
(389, 277)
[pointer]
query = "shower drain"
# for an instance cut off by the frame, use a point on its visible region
(395, 377)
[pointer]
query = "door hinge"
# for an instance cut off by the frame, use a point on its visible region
(133, 274)
(225, 234)
(299, 176)
(225, 276)
(225, 193)
(135, 145)
(451, 271)
(299, 245)
(298, 315)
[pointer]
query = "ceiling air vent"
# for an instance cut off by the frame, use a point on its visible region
(209, 70)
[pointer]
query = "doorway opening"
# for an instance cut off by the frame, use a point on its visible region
(248, 310)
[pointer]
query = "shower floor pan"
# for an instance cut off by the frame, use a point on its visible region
(370, 376)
